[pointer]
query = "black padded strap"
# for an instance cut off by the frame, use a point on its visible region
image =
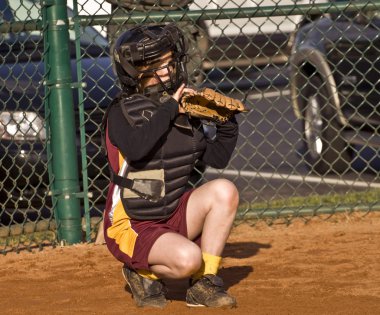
(121, 181)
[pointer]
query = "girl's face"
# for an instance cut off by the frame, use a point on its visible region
(162, 71)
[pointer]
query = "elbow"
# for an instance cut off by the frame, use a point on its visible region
(218, 158)
(219, 164)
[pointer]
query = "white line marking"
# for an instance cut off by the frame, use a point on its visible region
(271, 94)
(297, 178)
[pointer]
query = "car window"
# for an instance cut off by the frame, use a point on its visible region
(250, 26)
(24, 10)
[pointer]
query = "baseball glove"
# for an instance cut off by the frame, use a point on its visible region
(210, 105)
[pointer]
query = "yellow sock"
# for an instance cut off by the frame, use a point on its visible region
(210, 265)
(147, 274)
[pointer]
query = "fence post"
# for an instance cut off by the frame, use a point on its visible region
(62, 123)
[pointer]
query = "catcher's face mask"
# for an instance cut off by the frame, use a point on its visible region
(161, 73)
(151, 59)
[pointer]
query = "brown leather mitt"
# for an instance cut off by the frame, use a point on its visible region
(210, 105)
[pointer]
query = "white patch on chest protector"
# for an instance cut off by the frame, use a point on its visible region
(147, 114)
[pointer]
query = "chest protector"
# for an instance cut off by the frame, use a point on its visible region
(152, 186)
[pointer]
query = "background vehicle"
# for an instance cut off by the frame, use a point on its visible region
(23, 157)
(335, 88)
(24, 177)
(245, 41)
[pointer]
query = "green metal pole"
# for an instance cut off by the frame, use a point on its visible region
(82, 127)
(62, 124)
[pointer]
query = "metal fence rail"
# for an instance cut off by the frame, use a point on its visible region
(310, 73)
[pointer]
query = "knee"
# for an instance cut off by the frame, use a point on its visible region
(189, 261)
(226, 193)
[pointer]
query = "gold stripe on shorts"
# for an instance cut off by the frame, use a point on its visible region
(121, 231)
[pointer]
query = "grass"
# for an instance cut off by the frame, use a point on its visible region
(312, 205)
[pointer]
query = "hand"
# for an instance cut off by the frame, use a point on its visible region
(178, 94)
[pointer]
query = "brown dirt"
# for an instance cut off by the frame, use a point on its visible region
(322, 267)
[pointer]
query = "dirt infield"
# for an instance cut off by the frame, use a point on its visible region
(330, 267)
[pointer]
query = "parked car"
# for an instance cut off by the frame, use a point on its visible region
(335, 88)
(240, 42)
(24, 179)
(23, 158)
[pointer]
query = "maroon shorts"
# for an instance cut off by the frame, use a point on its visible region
(147, 234)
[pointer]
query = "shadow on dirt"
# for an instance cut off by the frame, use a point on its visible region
(230, 275)
(233, 275)
(243, 249)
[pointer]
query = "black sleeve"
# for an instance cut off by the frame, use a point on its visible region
(218, 152)
(136, 142)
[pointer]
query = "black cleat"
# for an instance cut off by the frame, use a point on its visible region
(208, 291)
(145, 292)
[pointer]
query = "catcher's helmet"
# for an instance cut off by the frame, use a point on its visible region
(138, 53)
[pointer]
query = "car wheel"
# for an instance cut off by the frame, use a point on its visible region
(326, 149)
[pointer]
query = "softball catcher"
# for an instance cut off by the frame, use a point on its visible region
(153, 225)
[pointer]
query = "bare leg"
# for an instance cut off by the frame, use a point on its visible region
(211, 211)
(174, 256)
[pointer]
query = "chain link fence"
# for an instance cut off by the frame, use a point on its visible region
(309, 72)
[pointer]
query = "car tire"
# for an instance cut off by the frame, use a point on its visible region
(326, 151)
